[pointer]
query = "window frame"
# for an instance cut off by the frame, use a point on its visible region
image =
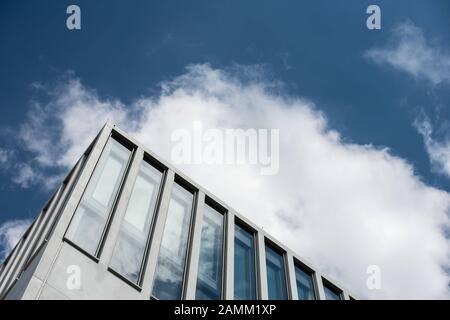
(278, 249)
(182, 182)
(257, 268)
(224, 212)
(164, 170)
(310, 272)
(332, 287)
(110, 215)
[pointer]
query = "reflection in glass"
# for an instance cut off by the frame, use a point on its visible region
(90, 218)
(172, 255)
(276, 279)
(244, 265)
(135, 229)
(209, 281)
(331, 293)
(305, 284)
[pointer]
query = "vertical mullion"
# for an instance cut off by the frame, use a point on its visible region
(229, 257)
(263, 293)
(319, 286)
(290, 273)
(193, 258)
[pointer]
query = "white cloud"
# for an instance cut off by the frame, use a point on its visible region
(343, 206)
(25, 176)
(76, 124)
(22, 173)
(10, 234)
(410, 51)
(438, 151)
(5, 157)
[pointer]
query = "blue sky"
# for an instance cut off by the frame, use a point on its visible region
(315, 50)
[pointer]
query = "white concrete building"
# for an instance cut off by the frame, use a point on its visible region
(125, 224)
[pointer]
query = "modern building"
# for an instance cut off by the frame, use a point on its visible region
(125, 224)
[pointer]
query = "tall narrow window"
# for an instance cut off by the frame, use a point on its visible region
(209, 279)
(244, 264)
(89, 221)
(305, 284)
(169, 275)
(331, 293)
(276, 279)
(130, 247)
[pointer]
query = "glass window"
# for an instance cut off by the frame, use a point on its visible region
(130, 247)
(209, 279)
(244, 265)
(331, 293)
(305, 284)
(90, 218)
(172, 255)
(276, 279)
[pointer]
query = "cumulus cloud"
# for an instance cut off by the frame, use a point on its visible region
(10, 234)
(409, 50)
(343, 206)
